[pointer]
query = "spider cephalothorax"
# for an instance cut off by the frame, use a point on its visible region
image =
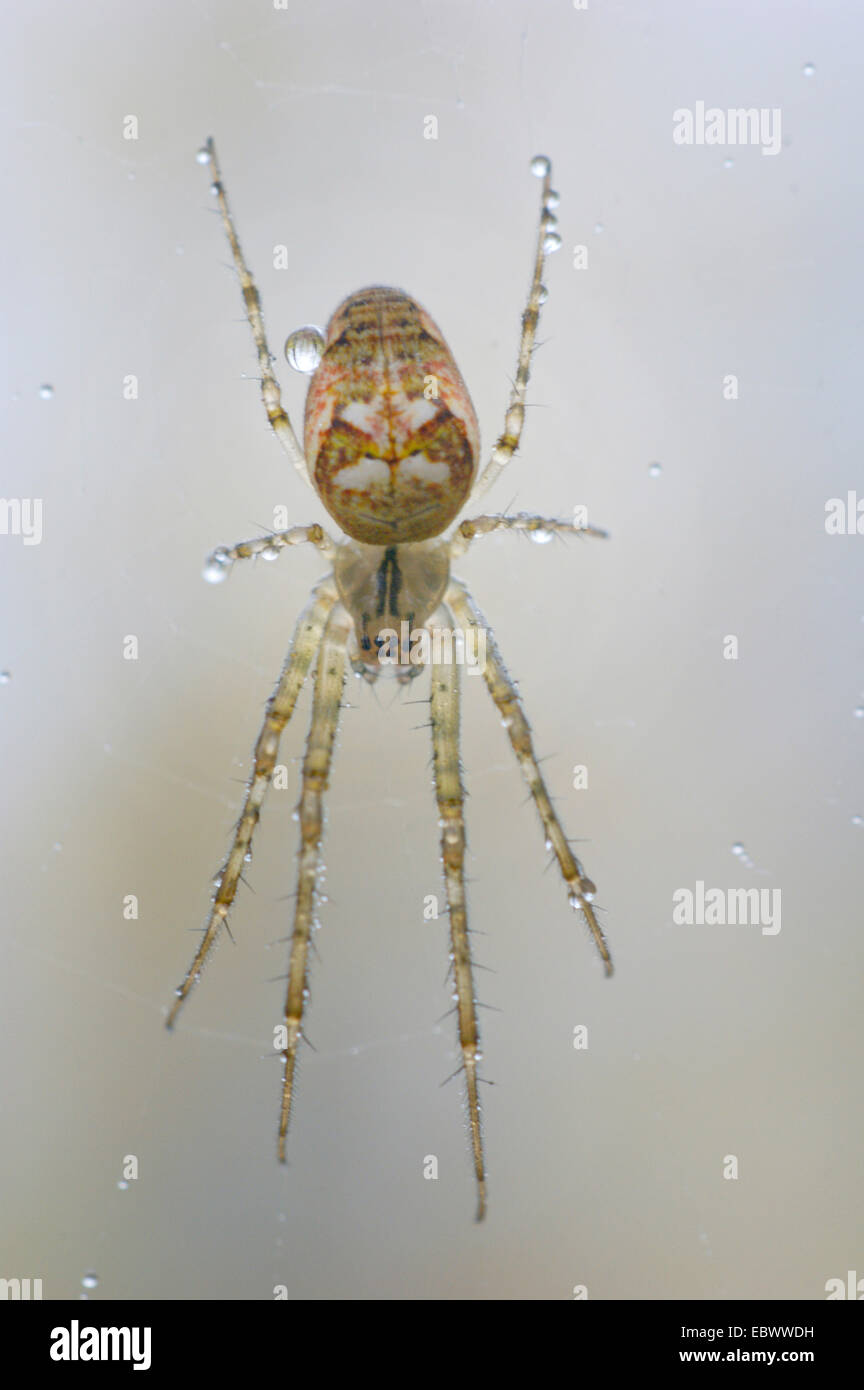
(383, 587)
(392, 448)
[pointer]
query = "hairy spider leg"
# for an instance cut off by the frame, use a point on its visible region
(581, 890)
(326, 705)
(270, 391)
(450, 794)
(280, 707)
(508, 442)
(475, 527)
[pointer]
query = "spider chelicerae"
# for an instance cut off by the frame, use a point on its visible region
(392, 448)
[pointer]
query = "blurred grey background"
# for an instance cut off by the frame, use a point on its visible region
(606, 1165)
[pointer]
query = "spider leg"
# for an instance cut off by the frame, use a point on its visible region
(477, 526)
(270, 392)
(580, 888)
(280, 707)
(326, 704)
(508, 442)
(220, 561)
(450, 794)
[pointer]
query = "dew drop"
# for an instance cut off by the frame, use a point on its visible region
(304, 348)
(90, 1280)
(5, 677)
(553, 198)
(738, 849)
(540, 536)
(123, 1185)
(270, 552)
(46, 391)
(214, 190)
(654, 470)
(549, 219)
(858, 820)
(540, 166)
(551, 242)
(202, 156)
(542, 294)
(809, 69)
(859, 712)
(728, 163)
(598, 228)
(217, 566)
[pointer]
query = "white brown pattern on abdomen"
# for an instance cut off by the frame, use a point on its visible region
(391, 436)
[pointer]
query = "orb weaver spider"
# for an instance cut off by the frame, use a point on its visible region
(392, 448)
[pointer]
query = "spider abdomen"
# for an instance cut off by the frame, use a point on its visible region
(391, 437)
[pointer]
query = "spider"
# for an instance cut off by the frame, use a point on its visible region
(392, 449)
